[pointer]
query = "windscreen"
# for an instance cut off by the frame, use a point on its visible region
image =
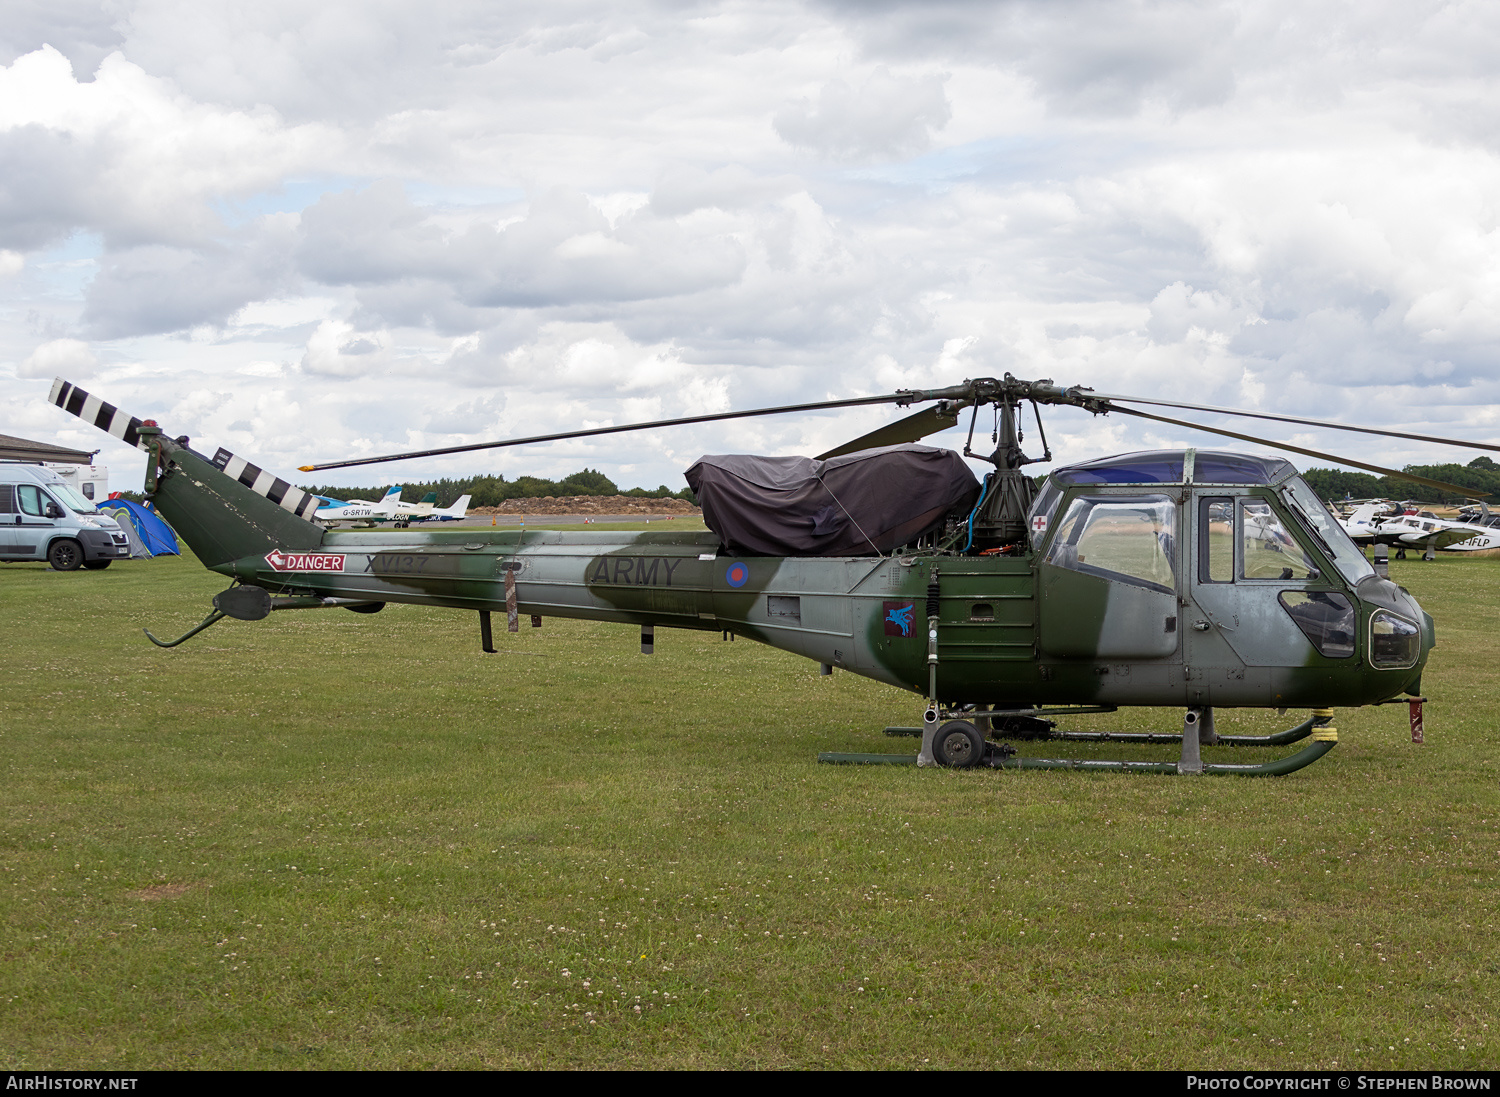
(71, 499)
(1346, 555)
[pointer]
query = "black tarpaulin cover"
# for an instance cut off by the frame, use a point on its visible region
(872, 501)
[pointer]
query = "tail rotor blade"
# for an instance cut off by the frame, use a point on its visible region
(111, 420)
(100, 413)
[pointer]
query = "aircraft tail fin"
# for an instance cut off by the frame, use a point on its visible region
(453, 513)
(224, 507)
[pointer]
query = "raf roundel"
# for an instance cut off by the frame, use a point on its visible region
(737, 575)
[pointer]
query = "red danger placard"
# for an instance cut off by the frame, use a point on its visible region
(305, 561)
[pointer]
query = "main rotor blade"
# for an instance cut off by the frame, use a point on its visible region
(1468, 493)
(1298, 419)
(892, 398)
(911, 429)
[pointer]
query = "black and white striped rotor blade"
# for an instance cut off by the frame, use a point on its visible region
(112, 420)
(92, 410)
(264, 483)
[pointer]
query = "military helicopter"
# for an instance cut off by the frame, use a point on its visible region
(1193, 578)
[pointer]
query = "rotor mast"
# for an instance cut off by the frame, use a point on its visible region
(1008, 491)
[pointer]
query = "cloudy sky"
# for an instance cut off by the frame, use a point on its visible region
(308, 232)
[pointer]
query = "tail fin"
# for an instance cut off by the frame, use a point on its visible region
(392, 494)
(460, 508)
(225, 508)
(428, 501)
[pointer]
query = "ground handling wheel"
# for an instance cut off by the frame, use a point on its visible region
(958, 744)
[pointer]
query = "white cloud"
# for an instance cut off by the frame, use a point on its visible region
(70, 359)
(128, 156)
(336, 349)
(377, 223)
(887, 117)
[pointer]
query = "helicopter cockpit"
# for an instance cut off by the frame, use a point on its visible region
(1224, 561)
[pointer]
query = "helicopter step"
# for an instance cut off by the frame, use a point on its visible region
(960, 744)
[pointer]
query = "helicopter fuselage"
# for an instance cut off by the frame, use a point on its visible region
(1189, 593)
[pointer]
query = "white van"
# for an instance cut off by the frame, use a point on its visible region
(41, 518)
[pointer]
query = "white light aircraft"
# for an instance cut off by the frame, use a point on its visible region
(363, 511)
(1371, 524)
(446, 514)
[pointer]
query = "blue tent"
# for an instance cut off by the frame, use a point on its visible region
(154, 535)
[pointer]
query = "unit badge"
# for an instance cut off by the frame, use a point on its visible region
(898, 617)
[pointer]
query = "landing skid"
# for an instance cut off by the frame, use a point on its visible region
(966, 740)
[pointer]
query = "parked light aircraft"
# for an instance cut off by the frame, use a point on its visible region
(446, 514)
(1486, 527)
(1370, 524)
(362, 511)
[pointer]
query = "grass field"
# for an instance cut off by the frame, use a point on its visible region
(333, 840)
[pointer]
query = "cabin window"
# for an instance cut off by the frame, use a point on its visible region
(1040, 514)
(1216, 540)
(1123, 539)
(1267, 550)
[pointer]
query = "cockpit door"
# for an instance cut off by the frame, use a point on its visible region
(1247, 576)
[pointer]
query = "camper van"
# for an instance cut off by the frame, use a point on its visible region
(41, 518)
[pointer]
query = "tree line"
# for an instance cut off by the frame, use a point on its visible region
(1482, 474)
(491, 491)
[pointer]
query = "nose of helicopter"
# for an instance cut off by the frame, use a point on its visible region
(1400, 634)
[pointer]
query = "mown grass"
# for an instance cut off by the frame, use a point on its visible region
(330, 840)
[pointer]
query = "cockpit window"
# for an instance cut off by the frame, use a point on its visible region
(1130, 540)
(1347, 557)
(1326, 618)
(1267, 550)
(1040, 514)
(1216, 540)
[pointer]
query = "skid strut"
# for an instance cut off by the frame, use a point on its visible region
(959, 743)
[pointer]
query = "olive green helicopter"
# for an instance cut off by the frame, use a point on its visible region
(1185, 578)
